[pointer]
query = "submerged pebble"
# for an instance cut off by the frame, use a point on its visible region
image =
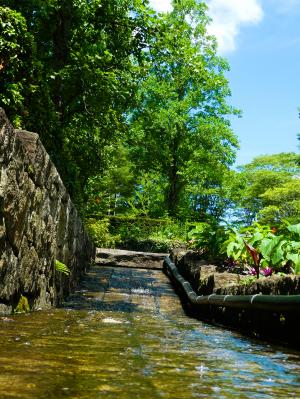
(111, 320)
(6, 319)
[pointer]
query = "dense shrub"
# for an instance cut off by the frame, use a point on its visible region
(100, 234)
(139, 234)
(208, 239)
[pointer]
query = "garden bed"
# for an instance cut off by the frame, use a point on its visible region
(209, 279)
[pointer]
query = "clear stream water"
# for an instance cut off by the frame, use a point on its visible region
(124, 335)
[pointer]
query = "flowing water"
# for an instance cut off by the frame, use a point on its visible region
(124, 335)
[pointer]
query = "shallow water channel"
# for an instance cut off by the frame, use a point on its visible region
(124, 335)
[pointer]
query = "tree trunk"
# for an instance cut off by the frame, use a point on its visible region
(173, 194)
(175, 183)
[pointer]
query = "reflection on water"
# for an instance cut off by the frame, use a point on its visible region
(124, 335)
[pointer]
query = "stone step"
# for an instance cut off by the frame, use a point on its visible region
(134, 259)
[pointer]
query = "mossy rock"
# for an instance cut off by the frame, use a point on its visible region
(22, 306)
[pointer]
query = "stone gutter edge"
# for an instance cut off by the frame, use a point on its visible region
(277, 303)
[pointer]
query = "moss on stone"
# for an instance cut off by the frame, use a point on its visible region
(22, 306)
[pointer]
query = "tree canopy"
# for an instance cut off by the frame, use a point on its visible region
(132, 106)
(179, 129)
(81, 66)
(267, 189)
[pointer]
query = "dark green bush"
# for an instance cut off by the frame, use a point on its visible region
(139, 234)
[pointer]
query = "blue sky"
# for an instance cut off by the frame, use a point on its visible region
(261, 41)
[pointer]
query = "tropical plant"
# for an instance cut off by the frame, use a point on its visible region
(266, 249)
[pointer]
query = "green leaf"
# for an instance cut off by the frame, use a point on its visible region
(295, 245)
(268, 245)
(61, 267)
(294, 228)
(22, 306)
(295, 258)
(258, 236)
(277, 256)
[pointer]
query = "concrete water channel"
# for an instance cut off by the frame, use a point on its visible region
(124, 334)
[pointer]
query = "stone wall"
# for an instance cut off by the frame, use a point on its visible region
(209, 279)
(38, 224)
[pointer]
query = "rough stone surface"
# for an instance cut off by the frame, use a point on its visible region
(189, 265)
(122, 258)
(209, 284)
(207, 279)
(204, 278)
(274, 285)
(38, 224)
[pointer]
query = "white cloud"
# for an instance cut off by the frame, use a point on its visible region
(229, 16)
(161, 5)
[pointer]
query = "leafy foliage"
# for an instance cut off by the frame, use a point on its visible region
(98, 230)
(83, 58)
(280, 252)
(182, 110)
(61, 267)
(133, 108)
(141, 234)
(209, 240)
(22, 306)
(17, 64)
(267, 190)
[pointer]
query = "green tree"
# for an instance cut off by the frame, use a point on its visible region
(266, 189)
(179, 130)
(89, 55)
(281, 203)
(109, 192)
(148, 197)
(17, 64)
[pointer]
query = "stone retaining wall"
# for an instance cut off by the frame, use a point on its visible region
(209, 279)
(38, 224)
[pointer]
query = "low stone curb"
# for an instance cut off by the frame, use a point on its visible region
(274, 318)
(132, 259)
(278, 303)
